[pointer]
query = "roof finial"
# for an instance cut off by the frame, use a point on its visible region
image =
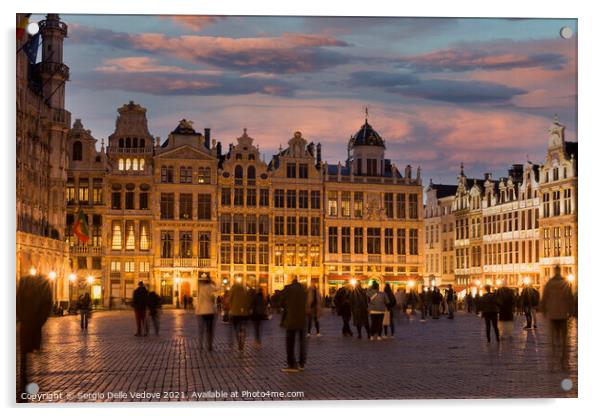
(462, 168)
(244, 131)
(366, 111)
(556, 121)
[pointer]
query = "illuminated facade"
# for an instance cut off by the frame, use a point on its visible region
(513, 230)
(42, 126)
(169, 213)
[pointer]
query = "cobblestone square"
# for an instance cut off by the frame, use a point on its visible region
(436, 359)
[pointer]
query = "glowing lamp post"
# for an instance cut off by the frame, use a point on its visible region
(178, 280)
(33, 271)
(527, 281)
(353, 282)
(52, 277)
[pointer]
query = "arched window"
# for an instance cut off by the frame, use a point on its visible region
(135, 164)
(251, 172)
(128, 164)
(142, 143)
(238, 172)
(135, 142)
(121, 143)
(121, 167)
(128, 142)
(77, 150)
(141, 164)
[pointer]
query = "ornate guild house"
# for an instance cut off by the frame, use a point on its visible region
(170, 213)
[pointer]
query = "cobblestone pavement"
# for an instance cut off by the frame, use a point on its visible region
(435, 359)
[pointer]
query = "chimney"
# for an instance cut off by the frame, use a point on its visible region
(218, 149)
(207, 138)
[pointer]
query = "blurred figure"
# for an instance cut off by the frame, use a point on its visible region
(412, 301)
(342, 303)
(436, 299)
(294, 304)
(477, 303)
(400, 300)
(557, 305)
(259, 311)
(529, 299)
(154, 307)
(240, 309)
(389, 319)
(469, 302)
(450, 299)
(314, 309)
(139, 302)
(377, 306)
(359, 310)
(205, 311)
(185, 301)
(505, 300)
(34, 304)
(226, 306)
(84, 305)
(423, 304)
(489, 310)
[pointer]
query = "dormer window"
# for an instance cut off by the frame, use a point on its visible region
(77, 151)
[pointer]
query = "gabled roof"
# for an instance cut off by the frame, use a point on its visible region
(443, 190)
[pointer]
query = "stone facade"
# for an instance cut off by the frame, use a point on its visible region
(513, 230)
(42, 127)
(169, 213)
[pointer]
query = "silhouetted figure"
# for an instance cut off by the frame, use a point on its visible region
(505, 300)
(314, 309)
(359, 310)
(139, 303)
(489, 310)
(342, 304)
(294, 304)
(259, 311)
(529, 300)
(84, 305)
(154, 310)
(34, 304)
(450, 299)
(205, 311)
(391, 303)
(557, 305)
(240, 310)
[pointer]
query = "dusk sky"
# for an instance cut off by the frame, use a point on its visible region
(439, 91)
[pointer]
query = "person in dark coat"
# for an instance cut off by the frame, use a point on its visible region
(489, 309)
(342, 303)
(294, 303)
(84, 305)
(140, 303)
(436, 299)
(505, 300)
(258, 312)
(314, 309)
(154, 304)
(34, 304)
(359, 310)
(529, 299)
(391, 303)
(450, 299)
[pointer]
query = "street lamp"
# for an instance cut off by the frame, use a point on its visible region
(353, 282)
(177, 280)
(571, 278)
(32, 271)
(527, 281)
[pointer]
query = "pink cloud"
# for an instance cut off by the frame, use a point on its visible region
(195, 23)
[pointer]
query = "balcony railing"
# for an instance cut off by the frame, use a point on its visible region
(130, 150)
(86, 250)
(185, 262)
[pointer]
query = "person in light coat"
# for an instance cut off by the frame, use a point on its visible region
(205, 311)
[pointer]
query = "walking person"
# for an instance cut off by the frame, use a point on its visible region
(240, 310)
(436, 299)
(314, 309)
(423, 304)
(400, 300)
(359, 310)
(557, 305)
(377, 306)
(450, 299)
(489, 310)
(85, 309)
(506, 300)
(529, 299)
(139, 302)
(154, 309)
(294, 304)
(205, 311)
(389, 319)
(259, 312)
(342, 303)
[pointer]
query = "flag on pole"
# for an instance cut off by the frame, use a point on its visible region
(31, 48)
(22, 26)
(80, 227)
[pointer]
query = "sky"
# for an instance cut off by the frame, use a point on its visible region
(440, 91)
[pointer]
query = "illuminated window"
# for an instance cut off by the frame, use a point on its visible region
(141, 167)
(135, 164)
(116, 241)
(128, 164)
(115, 266)
(129, 266)
(144, 236)
(121, 164)
(130, 241)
